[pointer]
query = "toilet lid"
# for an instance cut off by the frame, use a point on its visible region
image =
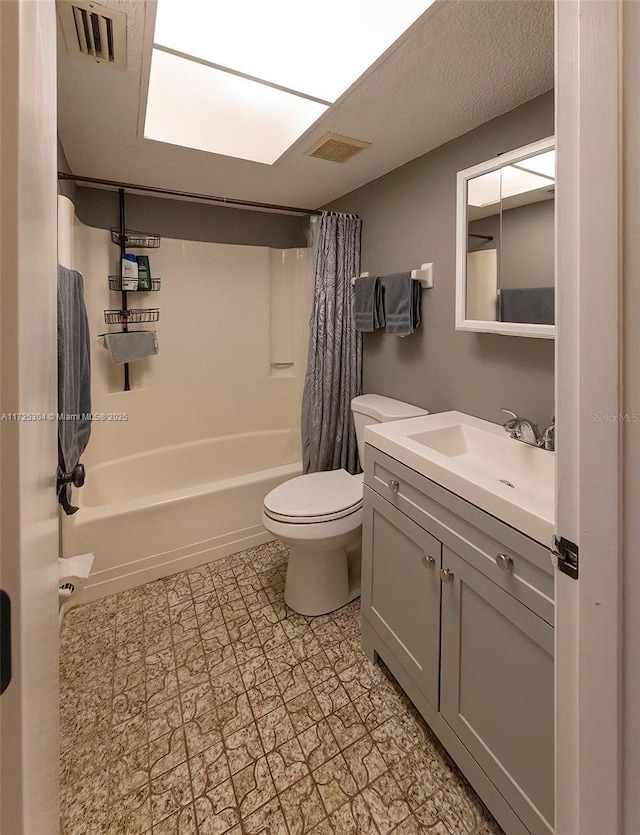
(315, 497)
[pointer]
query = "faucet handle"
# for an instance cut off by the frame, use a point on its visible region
(511, 424)
(549, 436)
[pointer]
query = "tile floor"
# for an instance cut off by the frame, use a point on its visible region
(201, 705)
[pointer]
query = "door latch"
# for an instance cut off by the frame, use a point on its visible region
(5, 640)
(567, 554)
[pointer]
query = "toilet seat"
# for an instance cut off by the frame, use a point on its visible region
(315, 497)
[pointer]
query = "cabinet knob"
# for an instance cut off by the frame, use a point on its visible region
(428, 561)
(446, 576)
(394, 485)
(504, 562)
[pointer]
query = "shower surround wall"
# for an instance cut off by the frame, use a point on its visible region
(176, 477)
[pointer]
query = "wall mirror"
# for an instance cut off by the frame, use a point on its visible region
(505, 243)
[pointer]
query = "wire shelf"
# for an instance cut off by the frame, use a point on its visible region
(115, 283)
(133, 316)
(135, 240)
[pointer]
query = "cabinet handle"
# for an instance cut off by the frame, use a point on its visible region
(504, 562)
(446, 576)
(394, 485)
(428, 561)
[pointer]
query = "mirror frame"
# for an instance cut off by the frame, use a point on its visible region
(478, 325)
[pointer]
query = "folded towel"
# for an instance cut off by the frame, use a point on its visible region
(132, 345)
(74, 377)
(531, 305)
(401, 303)
(368, 309)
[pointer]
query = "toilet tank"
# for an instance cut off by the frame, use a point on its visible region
(374, 408)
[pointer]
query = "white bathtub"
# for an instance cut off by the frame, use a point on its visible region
(156, 513)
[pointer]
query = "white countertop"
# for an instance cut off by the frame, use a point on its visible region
(473, 458)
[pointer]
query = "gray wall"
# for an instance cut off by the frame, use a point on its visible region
(189, 221)
(525, 244)
(409, 216)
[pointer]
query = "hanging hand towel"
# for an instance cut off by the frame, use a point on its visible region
(132, 345)
(401, 303)
(74, 377)
(368, 310)
(532, 305)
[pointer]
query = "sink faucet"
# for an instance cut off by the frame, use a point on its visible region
(549, 436)
(523, 429)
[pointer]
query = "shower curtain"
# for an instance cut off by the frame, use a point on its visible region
(334, 365)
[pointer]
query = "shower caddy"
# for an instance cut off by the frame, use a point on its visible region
(125, 316)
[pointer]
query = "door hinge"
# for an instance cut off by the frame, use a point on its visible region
(567, 554)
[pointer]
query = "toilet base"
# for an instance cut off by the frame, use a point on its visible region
(323, 576)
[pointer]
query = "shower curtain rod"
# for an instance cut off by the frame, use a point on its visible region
(226, 201)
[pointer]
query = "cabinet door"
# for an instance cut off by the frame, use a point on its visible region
(497, 688)
(401, 590)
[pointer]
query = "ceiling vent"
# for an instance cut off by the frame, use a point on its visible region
(94, 31)
(336, 148)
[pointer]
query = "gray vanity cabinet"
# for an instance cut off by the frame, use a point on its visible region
(459, 606)
(496, 687)
(402, 592)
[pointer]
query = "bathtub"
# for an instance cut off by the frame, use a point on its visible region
(157, 513)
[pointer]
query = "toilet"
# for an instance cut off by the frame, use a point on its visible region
(319, 517)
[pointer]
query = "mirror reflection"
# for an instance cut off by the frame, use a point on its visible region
(510, 242)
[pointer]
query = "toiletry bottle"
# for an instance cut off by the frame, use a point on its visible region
(129, 272)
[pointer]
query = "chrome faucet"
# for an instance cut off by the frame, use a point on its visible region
(523, 429)
(549, 436)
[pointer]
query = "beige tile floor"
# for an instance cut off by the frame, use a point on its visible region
(201, 705)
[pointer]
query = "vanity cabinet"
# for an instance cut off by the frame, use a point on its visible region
(459, 606)
(496, 686)
(402, 595)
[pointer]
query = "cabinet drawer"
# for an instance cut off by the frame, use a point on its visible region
(518, 564)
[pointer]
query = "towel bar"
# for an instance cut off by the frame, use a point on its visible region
(424, 275)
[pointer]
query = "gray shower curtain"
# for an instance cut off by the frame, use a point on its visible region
(334, 365)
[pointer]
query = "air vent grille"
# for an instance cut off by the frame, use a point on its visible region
(95, 34)
(336, 148)
(95, 31)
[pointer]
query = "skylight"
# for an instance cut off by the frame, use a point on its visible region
(526, 175)
(246, 78)
(193, 105)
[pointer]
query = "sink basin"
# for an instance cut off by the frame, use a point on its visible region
(478, 461)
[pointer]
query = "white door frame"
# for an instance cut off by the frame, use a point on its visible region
(631, 404)
(28, 449)
(588, 402)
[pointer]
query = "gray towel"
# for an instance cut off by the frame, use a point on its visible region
(74, 377)
(368, 309)
(401, 303)
(530, 305)
(133, 345)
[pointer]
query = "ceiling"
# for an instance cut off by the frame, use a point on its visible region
(462, 63)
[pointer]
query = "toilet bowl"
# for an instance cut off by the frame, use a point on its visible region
(319, 517)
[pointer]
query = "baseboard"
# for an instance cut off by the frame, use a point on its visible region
(129, 575)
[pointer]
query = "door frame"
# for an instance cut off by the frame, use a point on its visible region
(29, 707)
(588, 405)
